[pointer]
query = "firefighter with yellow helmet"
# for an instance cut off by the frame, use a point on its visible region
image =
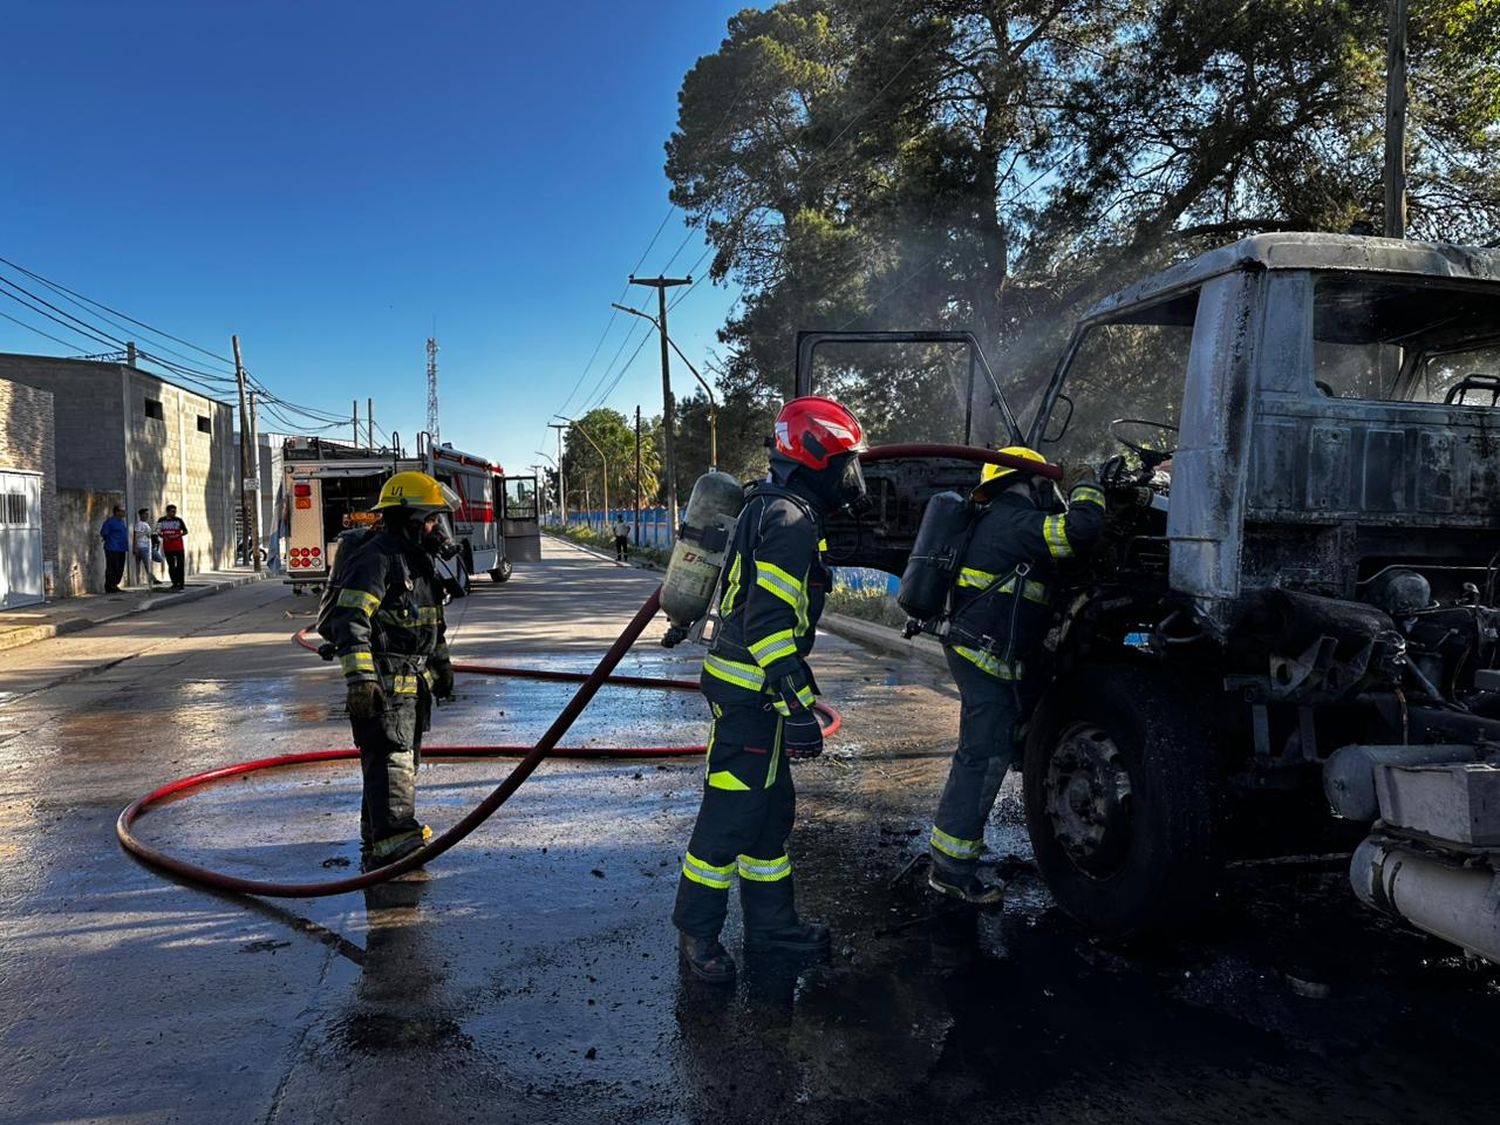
(1001, 609)
(383, 613)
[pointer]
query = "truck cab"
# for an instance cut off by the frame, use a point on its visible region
(1294, 600)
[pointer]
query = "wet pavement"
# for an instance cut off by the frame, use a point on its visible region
(530, 975)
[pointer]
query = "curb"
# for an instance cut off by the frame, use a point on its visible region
(17, 638)
(882, 638)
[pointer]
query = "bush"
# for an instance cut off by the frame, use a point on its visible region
(588, 537)
(867, 605)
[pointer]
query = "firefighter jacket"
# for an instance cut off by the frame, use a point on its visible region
(387, 622)
(1002, 597)
(770, 598)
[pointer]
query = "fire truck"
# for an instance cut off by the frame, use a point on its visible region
(331, 487)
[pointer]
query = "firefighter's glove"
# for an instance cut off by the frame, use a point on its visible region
(802, 735)
(1074, 474)
(366, 699)
(442, 678)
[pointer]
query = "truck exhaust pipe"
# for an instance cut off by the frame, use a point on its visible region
(1457, 903)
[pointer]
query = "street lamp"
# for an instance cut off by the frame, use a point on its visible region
(603, 460)
(713, 406)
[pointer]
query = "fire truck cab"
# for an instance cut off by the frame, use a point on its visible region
(331, 487)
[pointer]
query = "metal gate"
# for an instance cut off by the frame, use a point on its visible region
(20, 538)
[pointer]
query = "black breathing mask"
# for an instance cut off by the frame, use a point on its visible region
(848, 480)
(448, 567)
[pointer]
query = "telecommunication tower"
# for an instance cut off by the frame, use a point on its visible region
(432, 398)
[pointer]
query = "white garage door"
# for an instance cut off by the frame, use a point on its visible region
(20, 538)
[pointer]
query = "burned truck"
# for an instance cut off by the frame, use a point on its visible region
(1294, 603)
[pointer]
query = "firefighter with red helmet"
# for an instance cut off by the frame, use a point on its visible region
(761, 693)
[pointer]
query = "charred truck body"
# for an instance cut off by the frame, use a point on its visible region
(1295, 607)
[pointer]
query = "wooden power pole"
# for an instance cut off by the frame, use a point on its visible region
(668, 407)
(637, 476)
(249, 517)
(1395, 123)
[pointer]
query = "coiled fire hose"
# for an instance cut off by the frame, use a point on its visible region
(531, 757)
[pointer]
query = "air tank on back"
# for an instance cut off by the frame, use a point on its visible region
(933, 563)
(698, 556)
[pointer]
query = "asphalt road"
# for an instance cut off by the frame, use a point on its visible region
(531, 975)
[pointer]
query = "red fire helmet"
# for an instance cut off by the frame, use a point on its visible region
(810, 430)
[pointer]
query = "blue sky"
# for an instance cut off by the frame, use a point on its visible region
(325, 179)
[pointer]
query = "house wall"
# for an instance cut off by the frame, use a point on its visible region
(28, 441)
(109, 443)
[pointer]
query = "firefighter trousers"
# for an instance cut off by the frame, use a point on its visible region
(390, 750)
(748, 807)
(990, 717)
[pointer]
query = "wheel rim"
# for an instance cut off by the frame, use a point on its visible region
(1088, 799)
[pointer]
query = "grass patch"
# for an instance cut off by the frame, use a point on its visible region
(588, 537)
(867, 605)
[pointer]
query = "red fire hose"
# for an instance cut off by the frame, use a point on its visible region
(531, 757)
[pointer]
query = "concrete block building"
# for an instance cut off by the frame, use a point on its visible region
(123, 435)
(28, 495)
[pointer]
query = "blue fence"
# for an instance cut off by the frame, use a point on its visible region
(656, 532)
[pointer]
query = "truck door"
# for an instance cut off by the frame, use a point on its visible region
(520, 527)
(905, 387)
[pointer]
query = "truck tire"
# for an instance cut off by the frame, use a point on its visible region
(502, 572)
(1123, 793)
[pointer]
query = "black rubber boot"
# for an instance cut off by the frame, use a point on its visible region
(968, 889)
(808, 938)
(707, 959)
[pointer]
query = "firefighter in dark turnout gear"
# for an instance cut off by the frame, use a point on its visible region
(761, 693)
(1002, 601)
(387, 629)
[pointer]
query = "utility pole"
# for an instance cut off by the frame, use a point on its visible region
(249, 524)
(713, 404)
(356, 421)
(668, 413)
(432, 395)
(1395, 123)
(562, 485)
(370, 421)
(637, 476)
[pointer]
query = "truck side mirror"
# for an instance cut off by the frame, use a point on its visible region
(1050, 438)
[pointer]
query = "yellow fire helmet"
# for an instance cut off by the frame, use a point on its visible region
(417, 492)
(993, 477)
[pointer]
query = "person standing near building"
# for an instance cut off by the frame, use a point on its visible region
(173, 531)
(385, 622)
(142, 541)
(116, 538)
(761, 693)
(1002, 602)
(622, 540)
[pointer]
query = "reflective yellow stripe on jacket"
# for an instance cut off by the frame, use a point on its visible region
(990, 664)
(358, 600)
(1055, 532)
(748, 676)
(769, 576)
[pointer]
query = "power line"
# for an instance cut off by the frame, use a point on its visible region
(99, 305)
(38, 331)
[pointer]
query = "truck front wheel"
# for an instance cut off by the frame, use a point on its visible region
(1122, 788)
(502, 572)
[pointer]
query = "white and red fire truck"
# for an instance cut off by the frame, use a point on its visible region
(331, 487)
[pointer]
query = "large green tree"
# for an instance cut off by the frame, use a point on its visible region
(994, 164)
(604, 440)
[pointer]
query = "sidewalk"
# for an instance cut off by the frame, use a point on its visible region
(27, 624)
